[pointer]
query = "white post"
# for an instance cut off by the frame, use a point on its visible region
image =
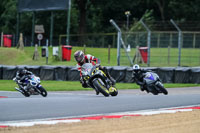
(148, 41)
(118, 41)
(47, 51)
(179, 41)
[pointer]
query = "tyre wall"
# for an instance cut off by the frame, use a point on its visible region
(119, 73)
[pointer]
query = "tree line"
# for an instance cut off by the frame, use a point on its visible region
(92, 16)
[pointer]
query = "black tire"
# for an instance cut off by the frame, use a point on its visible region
(21, 90)
(152, 89)
(113, 93)
(98, 86)
(162, 89)
(26, 94)
(43, 92)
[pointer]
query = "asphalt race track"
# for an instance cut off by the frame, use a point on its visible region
(14, 106)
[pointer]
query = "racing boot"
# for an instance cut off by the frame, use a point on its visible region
(27, 87)
(113, 81)
(142, 88)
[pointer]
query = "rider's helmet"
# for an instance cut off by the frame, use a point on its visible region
(79, 56)
(22, 72)
(136, 68)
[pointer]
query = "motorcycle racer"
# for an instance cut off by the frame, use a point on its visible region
(81, 58)
(21, 75)
(138, 75)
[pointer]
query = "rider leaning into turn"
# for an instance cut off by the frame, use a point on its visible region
(81, 58)
(138, 75)
(21, 75)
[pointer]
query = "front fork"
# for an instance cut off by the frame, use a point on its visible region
(37, 88)
(157, 85)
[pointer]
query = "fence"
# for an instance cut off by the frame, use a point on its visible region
(164, 46)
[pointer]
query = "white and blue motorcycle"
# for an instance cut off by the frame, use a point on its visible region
(31, 86)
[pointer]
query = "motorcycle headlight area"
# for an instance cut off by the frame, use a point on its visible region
(38, 80)
(33, 83)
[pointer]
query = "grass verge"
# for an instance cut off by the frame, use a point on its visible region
(8, 85)
(160, 57)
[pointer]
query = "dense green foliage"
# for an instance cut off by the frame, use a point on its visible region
(90, 16)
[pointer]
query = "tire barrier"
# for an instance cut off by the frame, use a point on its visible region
(166, 74)
(8, 72)
(119, 73)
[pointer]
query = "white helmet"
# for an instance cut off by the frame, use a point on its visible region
(136, 67)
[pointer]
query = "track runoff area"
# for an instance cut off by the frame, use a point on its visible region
(187, 97)
(99, 117)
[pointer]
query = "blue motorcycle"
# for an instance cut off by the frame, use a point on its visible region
(153, 84)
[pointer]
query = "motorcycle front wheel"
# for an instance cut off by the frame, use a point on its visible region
(113, 91)
(162, 89)
(100, 87)
(43, 92)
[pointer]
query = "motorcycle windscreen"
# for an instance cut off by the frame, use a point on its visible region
(149, 76)
(86, 68)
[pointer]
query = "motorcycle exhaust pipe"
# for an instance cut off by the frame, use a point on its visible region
(18, 89)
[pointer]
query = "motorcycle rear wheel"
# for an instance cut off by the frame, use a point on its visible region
(155, 92)
(152, 89)
(21, 90)
(26, 94)
(98, 86)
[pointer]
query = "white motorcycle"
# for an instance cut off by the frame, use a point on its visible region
(30, 86)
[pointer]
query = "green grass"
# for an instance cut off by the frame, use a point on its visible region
(8, 85)
(159, 57)
(13, 56)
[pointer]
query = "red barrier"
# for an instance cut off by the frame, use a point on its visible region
(66, 52)
(144, 53)
(7, 40)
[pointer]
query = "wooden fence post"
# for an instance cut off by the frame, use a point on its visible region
(194, 40)
(169, 55)
(84, 50)
(158, 40)
(108, 54)
(1, 39)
